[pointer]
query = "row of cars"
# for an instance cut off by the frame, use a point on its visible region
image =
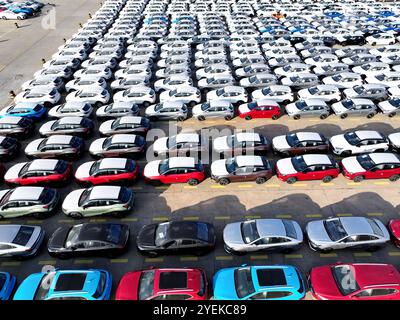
(12, 10)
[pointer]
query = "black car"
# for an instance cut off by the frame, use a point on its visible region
(353, 40)
(178, 237)
(9, 147)
(106, 239)
(329, 41)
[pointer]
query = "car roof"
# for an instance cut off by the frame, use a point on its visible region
(313, 159)
(130, 119)
(270, 227)
(308, 136)
(187, 137)
(219, 103)
(170, 104)
(182, 230)
(362, 101)
(59, 139)
(248, 136)
(175, 280)
(94, 231)
(123, 138)
(244, 161)
(113, 163)
(10, 120)
(26, 193)
(8, 232)
(181, 162)
(368, 134)
(356, 225)
(375, 274)
(70, 120)
(43, 164)
(121, 104)
(384, 158)
(26, 104)
(74, 104)
(104, 192)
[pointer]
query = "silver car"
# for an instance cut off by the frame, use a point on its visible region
(118, 109)
(118, 145)
(71, 108)
(308, 108)
(67, 125)
(19, 241)
(367, 91)
(214, 109)
(175, 110)
(262, 234)
(346, 232)
(354, 107)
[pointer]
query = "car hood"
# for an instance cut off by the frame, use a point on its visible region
(339, 141)
(280, 143)
(13, 172)
(71, 201)
(146, 235)
(33, 146)
(232, 234)
(218, 168)
(83, 170)
(106, 126)
(351, 165)
(46, 127)
(101, 110)
(323, 282)
(243, 108)
(128, 286)
(285, 166)
(97, 145)
(150, 110)
(316, 231)
(220, 143)
(27, 289)
(338, 107)
(224, 285)
(197, 109)
(291, 108)
(160, 144)
(57, 240)
(151, 169)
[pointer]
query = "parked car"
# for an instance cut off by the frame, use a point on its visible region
(278, 93)
(29, 110)
(233, 94)
(71, 109)
(355, 107)
(367, 91)
(394, 141)
(182, 144)
(174, 110)
(391, 107)
(78, 126)
(7, 284)
(58, 146)
(308, 108)
(118, 109)
(118, 145)
(214, 109)
(9, 147)
(327, 93)
(301, 142)
(262, 108)
(243, 142)
(125, 124)
(394, 230)
(18, 127)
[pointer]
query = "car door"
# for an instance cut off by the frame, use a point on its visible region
(241, 174)
(390, 170)
(170, 176)
(381, 293)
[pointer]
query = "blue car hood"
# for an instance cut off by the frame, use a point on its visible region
(224, 285)
(27, 289)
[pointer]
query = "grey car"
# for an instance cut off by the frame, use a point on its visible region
(368, 91)
(262, 234)
(118, 109)
(308, 108)
(175, 110)
(15, 126)
(126, 124)
(214, 109)
(354, 107)
(118, 145)
(300, 81)
(346, 232)
(67, 125)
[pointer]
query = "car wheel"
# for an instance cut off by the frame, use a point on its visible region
(343, 116)
(19, 18)
(327, 179)
(76, 215)
(228, 117)
(201, 118)
(275, 117)
(261, 180)
(291, 180)
(146, 104)
(392, 114)
(98, 104)
(180, 118)
(358, 178)
(394, 178)
(192, 103)
(296, 117)
(155, 183)
(223, 181)
(370, 115)
(193, 182)
(151, 254)
(323, 116)
(247, 117)
(4, 18)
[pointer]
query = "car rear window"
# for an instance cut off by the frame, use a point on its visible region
(44, 286)
(61, 166)
(146, 285)
(375, 228)
(345, 280)
(23, 235)
(243, 282)
(100, 286)
(290, 229)
(114, 233)
(124, 195)
(202, 231)
(271, 277)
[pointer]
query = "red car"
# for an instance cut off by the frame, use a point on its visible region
(38, 172)
(260, 109)
(174, 170)
(163, 284)
(372, 166)
(394, 229)
(358, 281)
(108, 170)
(307, 167)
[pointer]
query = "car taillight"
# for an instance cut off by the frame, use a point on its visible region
(46, 206)
(126, 206)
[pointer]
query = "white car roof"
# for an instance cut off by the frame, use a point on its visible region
(362, 101)
(70, 120)
(74, 104)
(8, 232)
(43, 164)
(112, 163)
(129, 119)
(26, 104)
(248, 136)
(181, 162)
(187, 137)
(59, 139)
(250, 161)
(10, 120)
(123, 138)
(368, 134)
(384, 158)
(104, 192)
(313, 136)
(26, 193)
(170, 104)
(312, 159)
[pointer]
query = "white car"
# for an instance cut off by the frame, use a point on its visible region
(79, 54)
(214, 109)
(128, 82)
(381, 39)
(387, 79)
(394, 139)
(175, 110)
(118, 109)
(386, 50)
(282, 61)
(367, 91)
(172, 82)
(62, 62)
(344, 80)
(323, 92)
(213, 70)
(240, 142)
(61, 72)
(173, 71)
(133, 71)
(94, 72)
(390, 107)
(10, 15)
(322, 59)
(185, 94)
(184, 142)
(72, 108)
(42, 95)
(48, 82)
(372, 68)
(292, 69)
(301, 80)
(349, 51)
(78, 84)
(331, 69)
(98, 200)
(92, 95)
(394, 91)
(278, 93)
(360, 141)
(137, 94)
(233, 94)
(259, 80)
(308, 108)
(252, 70)
(359, 59)
(110, 62)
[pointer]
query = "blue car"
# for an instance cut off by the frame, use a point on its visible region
(18, 9)
(7, 283)
(30, 110)
(279, 282)
(91, 284)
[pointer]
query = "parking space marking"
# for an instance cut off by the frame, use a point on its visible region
(217, 186)
(190, 218)
(252, 217)
(46, 262)
(223, 258)
(299, 185)
(189, 258)
(375, 214)
(160, 218)
(5, 222)
(353, 183)
(222, 217)
(293, 256)
(34, 222)
(362, 254)
(317, 215)
(149, 260)
(11, 264)
(381, 183)
(344, 214)
(328, 255)
(161, 188)
(283, 216)
(273, 185)
(83, 261)
(262, 257)
(119, 260)
(65, 221)
(129, 219)
(98, 220)
(394, 253)
(245, 186)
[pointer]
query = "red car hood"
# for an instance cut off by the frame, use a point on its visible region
(128, 286)
(395, 228)
(324, 284)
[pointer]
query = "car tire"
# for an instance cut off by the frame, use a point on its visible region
(343, 116)
(261, 180)
(247, 118)
(192, 103)
(98, 104)
(228, 117)
(297, 117)
(223, 181)
(201, 118)
(323, 116)
(193, 182)
(275, 117)
(394, 178)
(76, 215)
(4, 18)
(370, 115)
(392, 114)
(151, 254)
(146, 104)
(19, 18)
(327, 179)
(358, 178)
(180, 119)
(291, 180)
(326, 250)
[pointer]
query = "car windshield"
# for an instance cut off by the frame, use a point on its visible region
(313, 90)
(301, 104)
(266, 91)
(202, 231)
(335, 229)
(243, 282)
(352, 138)
(47, 195)
(73, 236)
(358, 89)
(161, 234)
(61, 166)
(164, 166)
(230, 165)
(365, 161)
(290, 229)
(249, 231)
(252, 105)
(44, 286)
(345, 280)
(395, 102)
(299, 164)
(375, 227)
(146, 284)
(292, 139)
(205, 106)
(84, 196)
(158, 107)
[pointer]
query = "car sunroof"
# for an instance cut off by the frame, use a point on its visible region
(271, 277)
(70, 282)
(173, 280)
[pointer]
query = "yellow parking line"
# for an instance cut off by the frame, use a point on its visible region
(283, 216)
(263, 257)
(83, 261)
(161, 188)
(328, 255)
(222, 217)
(217, 187)
(154, 260)
(11, 264)
(160, 218)
(252, 217)
(34, 222)
(129, 219)
(381, 183)
(273, 185)
(5, 222)
(317, 215)
(375, 214)
(223, 258)
(293, 256)
(98, 220)
(299, 185)
(362, 254)
(189, 258)
(327, 184)
(190, 218)
(136, 188)
(45, 262)
(119, 260)
(394, 253)
(65, 221)
(245, 186)
(344, 214)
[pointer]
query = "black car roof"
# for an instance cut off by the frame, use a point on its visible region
(70, 282)
(271, 277)
(183, 230)
(94, 231)
(173, 280)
